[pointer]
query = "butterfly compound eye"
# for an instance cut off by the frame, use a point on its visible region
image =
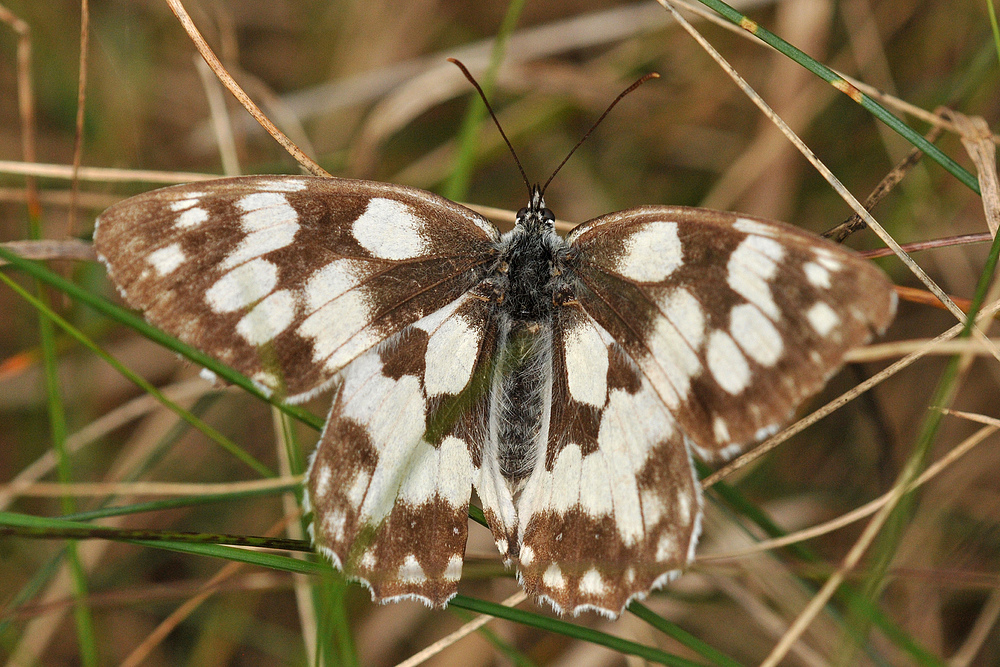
(522, 213)
(547, 215)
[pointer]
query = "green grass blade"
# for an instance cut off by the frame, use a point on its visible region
(866, 102)
(86, 637)
(715, 656)
(567, 629)
(174, 503)
(993, 26)
(457, 186)
(210, 432)
(123, 316)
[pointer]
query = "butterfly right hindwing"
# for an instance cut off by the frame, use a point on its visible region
(613, 507)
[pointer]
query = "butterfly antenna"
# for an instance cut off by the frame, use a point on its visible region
(468, 75)
(642, 80)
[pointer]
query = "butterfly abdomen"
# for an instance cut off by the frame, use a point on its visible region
(521, 395)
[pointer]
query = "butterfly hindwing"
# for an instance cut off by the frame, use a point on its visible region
(289, 278)
(613, 508)
(734, 320)
(390, 480)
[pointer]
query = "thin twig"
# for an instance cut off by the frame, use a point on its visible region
(81, 104)
(885, 186)
(841, 400)
(220, 71)
(25, 103)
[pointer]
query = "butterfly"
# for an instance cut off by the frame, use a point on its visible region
(568, 380)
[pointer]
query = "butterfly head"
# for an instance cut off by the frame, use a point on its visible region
(534, 216)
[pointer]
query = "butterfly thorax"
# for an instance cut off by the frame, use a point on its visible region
(528, 255)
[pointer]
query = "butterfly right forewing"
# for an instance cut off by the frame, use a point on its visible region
(734, 320)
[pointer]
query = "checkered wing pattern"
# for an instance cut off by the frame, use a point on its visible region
(734, 321)
(288, 279)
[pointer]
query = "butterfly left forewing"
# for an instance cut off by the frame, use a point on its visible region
(734, 320)
(612, 507)
(289, 278)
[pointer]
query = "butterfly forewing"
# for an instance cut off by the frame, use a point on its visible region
(287, 279)
(733, 320)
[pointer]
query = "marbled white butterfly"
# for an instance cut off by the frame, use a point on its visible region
(567, 380)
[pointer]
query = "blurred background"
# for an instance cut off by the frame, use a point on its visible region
(364, 88)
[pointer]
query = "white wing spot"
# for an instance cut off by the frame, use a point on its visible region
(553, 577)
(270, 223)
(750, 270)
(726, 362)
(683, 506)
(410, 571)
(652, 508)
(673, 361)
(334, 524)
(527, 555)
(652, 253)
(166, 260)
(749, 226)
(756, 334)
(666, 548)
(358, 488)
(390, 230)
(596, 497)
(720, 430)
(567, 468)
(323, 479)
(242, 286)
(586, 365)
(334, 279)
(287, 184)
(453, 571)
(192, 217)
(817, 275)
(822, 318)
(266, 381)
(828, 260)
(334, 324)
(368, 560)
(190, 199)
(685, 312)
(591, 583)
(268, 318)
(451, 355)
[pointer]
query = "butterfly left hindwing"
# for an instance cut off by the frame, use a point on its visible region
(390, 480)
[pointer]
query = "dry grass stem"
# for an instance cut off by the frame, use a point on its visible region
(865, 510)
(842, 400)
